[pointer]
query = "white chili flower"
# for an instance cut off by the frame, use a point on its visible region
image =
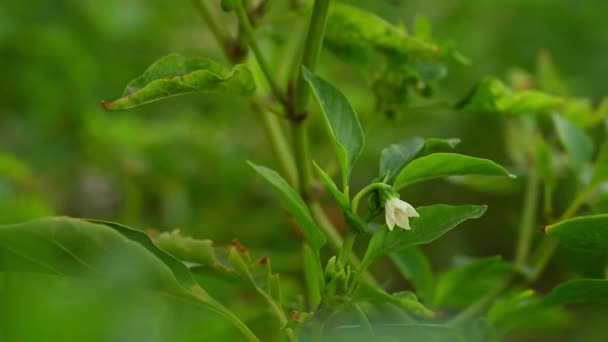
(398, 212)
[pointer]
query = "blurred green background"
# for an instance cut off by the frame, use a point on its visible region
(180, 164)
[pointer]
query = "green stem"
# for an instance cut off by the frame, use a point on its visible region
(278, 143)
(526, 227)
(203, 9)
(366, 190)
(247, 30)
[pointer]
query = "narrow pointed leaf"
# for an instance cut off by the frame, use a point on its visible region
(295, 204)
(585, 232)
(434, 221)
(175, 75)
(344, 126)
(438, 165)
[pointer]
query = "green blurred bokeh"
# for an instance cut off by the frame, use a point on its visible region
(180, 164)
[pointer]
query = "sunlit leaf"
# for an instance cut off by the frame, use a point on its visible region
(434, 221)
(438, 165)
(176, 75)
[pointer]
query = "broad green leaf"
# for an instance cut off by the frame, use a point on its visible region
(585, 232)
(180, 271)
(434, 221)
(408, 302)
(576, 142)
(342, 121)
(600, 170)
(78, 248)
(415, 267)
(295, 204)
(575, 291)
(492, 95)
(176, 75)
(461, 286)
(394, 157)
(438, 165)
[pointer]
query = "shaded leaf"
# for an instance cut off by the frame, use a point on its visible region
(342, 121)
(177, 75)
(406, 301)
(585, 232)
(575, 291)
(434, 221)
(415, 267)
(600, 170)
(461, 286)
(438, 165)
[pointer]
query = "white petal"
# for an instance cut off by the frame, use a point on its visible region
(399, 204)
(402, 219)
(390, 217)
(411, 212)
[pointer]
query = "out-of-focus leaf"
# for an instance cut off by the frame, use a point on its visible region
(77, 248)
(342, 121)
(600, 170)
(176, 75)
(179, 269)
(547, 76)
(464, 285)
(187, 248)
(367, 292)
(434, 221)
(575, 291)
(394, 157)
(353, 34)
(313, 274)
(585, 232)
(415, 267)
(546, 171)
(295, 204)
(438, 165)
(576, 142)
(397, 332)
(491, 95)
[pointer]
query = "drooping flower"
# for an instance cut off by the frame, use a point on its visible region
(398, 213)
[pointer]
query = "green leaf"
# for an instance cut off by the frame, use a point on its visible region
(394, 157)
(438, 165)
(600, 170)
(342, 121)
(578, 290)
(492, 95)
(585, 232)
(434, 221)
(187, 248)
(295, 204)
(180, 271)
(177, 75)
(423, 332)
(576, 142)
(77, 248)
(313, 274)
(339, 196)
(408, 302)
(547, 76)
(415, 267)
(466, 284)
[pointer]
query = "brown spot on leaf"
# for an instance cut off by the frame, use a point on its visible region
(263, 260)
(543, 228)
(105, 104)
(239, 246)
(295, 316)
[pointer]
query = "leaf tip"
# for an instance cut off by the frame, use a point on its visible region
(543, 228)
(105, 104)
